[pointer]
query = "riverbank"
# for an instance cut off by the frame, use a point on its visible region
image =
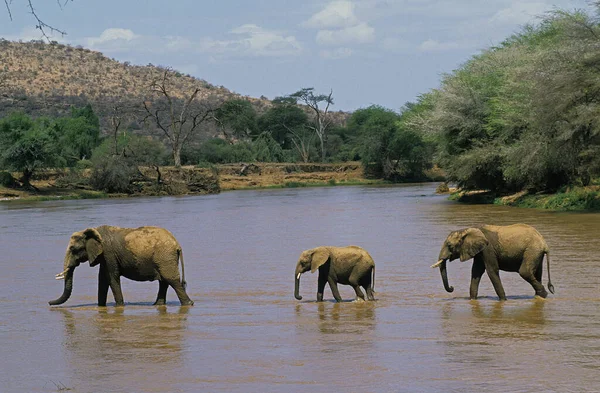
(574, 198)
(189, 180)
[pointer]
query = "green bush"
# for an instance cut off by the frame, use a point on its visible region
(6, 179)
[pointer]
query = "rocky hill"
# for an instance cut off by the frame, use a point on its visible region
(48, 78)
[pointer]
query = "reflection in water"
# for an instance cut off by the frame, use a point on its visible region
(340, 318)
(102, 343)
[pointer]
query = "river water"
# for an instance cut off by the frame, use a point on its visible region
(247, 333)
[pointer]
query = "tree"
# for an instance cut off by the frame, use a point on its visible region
(288, 125)
(389, 148)
(78, 134)
(237, 116)
(321, 118)
(28, 145)
(178, 118)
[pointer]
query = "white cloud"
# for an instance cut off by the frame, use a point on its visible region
(436, 46)
(358, 34)
(338, 53)
(336, 14)
(254, 41)
(339, 26)
(520, 13)
(249, 40)
(112, 34)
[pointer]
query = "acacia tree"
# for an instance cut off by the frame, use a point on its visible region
(236, 118)
(177, 118)
(287, 124)
(321, 121)
(27, 145)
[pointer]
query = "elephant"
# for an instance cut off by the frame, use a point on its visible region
(512, 248)
(140, 254)
(351, 265)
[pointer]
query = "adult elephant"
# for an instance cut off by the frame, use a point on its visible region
(351, 265)
(512, 248)
(140, 254)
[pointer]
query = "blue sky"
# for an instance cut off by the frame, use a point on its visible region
(383, 52)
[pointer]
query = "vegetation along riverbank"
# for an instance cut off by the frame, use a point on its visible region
(189, 180)
(530, 138)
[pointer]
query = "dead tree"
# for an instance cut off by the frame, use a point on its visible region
(39, 23)
(178, 119)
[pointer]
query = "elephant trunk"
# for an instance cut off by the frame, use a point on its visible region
(297, 286)
(68, 288)
(445, 276)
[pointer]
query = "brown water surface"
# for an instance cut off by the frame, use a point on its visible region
(247, 333)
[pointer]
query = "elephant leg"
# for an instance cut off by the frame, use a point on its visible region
(494, 275)
(184, 299)
(530, 271)
(334, 289)
(161, 298)
(321, 287)
(103, 285)
(369, 290)
(359, 293)
(476, 272)
(367, 284)
(115, 287)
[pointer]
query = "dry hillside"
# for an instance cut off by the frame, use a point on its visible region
(48, 78)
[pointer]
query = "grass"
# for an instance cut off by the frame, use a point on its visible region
(574, 198)
(571, 199)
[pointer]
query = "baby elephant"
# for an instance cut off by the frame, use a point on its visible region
(141, 254)
(513, 248)
(350, 265)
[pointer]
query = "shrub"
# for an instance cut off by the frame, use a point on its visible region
(7, 180)
(113, 174)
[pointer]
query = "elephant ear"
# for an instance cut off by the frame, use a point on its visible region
(319, 257)
(93, 245)
(474, 241)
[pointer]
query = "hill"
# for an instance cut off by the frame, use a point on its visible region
(49, 78)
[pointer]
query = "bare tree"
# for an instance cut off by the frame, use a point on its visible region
(40, 24)
(118, 115)
(179, 118)
(322, 120)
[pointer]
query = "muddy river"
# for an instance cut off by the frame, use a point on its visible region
(247, 333)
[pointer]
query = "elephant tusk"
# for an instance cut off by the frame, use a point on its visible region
(298, 276)
(61, 275)
(437, 264)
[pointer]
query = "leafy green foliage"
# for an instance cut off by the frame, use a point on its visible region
(282, 121)
(220, 151)
(6, 179)
(388, 147)
(238, 117)
(523, 115)
(27, 145)
(79, 134)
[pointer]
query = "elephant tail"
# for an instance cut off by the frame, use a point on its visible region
(550, 286)
(183, 283)
(373, 280)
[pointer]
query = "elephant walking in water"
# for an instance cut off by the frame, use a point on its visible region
(140, 254)
(350, 265)
(513, 248)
